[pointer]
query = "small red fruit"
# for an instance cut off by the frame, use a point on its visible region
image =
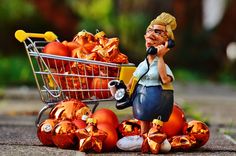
(112, 137)
(198, 130)
(69, 109)
(55, 48)
(71, 45)
(100, 86)
(105, 115)
(44, 131)
(174, 126)
(79, 123)
(63, 135)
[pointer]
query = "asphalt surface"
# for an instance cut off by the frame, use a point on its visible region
(19, 107)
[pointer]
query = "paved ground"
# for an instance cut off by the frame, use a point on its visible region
(18, 108)
(215, 102)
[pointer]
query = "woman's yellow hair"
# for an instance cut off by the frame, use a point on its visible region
(166, 20)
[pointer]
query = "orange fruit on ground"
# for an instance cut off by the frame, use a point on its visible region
(44, 131)
(112, 137)
(63, 135)
(105, 115)
(174, 126)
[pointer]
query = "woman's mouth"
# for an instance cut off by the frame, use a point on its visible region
(149, 42)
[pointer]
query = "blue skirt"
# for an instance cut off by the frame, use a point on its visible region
(152, 103)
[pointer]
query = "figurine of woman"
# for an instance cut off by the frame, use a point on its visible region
(153, 96)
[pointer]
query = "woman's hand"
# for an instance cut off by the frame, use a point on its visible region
(162, 49)
(128, 86)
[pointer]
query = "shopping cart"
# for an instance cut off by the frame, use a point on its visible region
(74, 76)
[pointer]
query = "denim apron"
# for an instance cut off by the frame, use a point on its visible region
(151, 102)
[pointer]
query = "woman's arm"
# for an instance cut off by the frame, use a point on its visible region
(130, 83)
(161, 66)
(162, 71)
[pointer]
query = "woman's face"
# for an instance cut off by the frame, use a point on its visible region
(155, 35)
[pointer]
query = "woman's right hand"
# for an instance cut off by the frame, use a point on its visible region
(128, 86)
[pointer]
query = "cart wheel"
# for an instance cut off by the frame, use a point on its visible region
(41, 113)
(95, 106)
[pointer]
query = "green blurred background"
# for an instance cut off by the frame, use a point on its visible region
(205, 37)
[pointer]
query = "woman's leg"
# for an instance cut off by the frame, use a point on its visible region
(145, 126)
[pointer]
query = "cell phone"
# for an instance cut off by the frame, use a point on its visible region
(152, 50)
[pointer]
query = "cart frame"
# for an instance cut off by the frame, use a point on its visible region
(60, 83)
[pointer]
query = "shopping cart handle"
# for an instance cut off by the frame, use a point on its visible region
(21, 35)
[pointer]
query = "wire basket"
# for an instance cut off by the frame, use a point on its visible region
(59, 77)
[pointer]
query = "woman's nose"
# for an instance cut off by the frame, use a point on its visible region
(151, 35)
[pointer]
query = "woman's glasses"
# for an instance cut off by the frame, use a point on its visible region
(156, 31)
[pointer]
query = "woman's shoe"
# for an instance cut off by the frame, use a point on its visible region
(130, 143)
